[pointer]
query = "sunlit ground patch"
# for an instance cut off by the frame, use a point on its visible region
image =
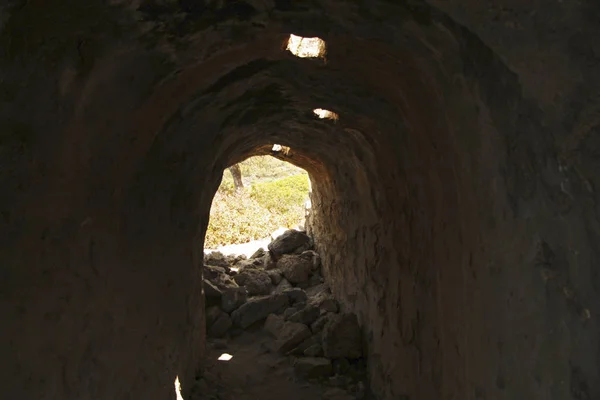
(225, 357)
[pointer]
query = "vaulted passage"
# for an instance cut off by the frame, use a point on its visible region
(454, 194)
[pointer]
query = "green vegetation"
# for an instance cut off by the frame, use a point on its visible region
(274, 197)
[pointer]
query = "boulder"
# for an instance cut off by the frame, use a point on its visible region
(269, 262)
(210, 290)
(314, 257)
(306, 316)
(313, 367)
(330, 305)
(308, 342)
(291, 335)
(291, 241)
(320, 323)
(295, 268)
(212, 314)
(211, 272)
(275, 276)
(314, 350)
(258, 308)
(273, 324)
(289, 312)
(282, 286)
(233, 298)
(260, 253)
(216, 258)
(220, 326)
(256, 281)
(342, 337)
(296, 295)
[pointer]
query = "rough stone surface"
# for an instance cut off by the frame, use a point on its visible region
(296, 295)
(260, 253)
(306, 316)
(233, 298)
(274, 324)
(295, 268)
(289, 242)
(282, 286)
(258, 308)
(314, 350)
(291, 335)
(313, 367)
(220, 326)
(342, 337)
(256, 281)
(289, 312)
(320, 323)
(454, 201)
(275, 276)
(217, 259)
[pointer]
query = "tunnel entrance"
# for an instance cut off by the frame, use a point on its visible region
(259, 197)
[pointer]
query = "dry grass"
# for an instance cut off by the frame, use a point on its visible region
(269, 203)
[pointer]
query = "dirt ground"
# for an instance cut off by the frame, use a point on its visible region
(256, 373)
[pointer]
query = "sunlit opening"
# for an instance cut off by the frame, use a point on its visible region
(321, 113)
(178, 389)
(264, 194)
(225, 357)
(281, 149)
(306, 47)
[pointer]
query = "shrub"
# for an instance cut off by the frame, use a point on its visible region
(255, 213)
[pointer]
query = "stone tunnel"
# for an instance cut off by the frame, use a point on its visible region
(454, 199)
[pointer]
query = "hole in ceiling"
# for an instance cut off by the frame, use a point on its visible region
(321, 113)
(306, 47)
(277, 148)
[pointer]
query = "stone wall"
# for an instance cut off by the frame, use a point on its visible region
(454, 201)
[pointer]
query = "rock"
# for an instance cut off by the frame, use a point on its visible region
(342, 337)
(341, 366)
(306, 316)
(273, 324)
(295, 269)
(314, 350)
(314, 257)
(211, 272)
(282, 286)
(330, 305)
(269, 262)
(216, 258)
(233, 298)
(313, 367)
(258, 308)
(319, 290)
(212, 314)
(260, 253)
(233, 259)
(220, 327)
(210, 290)
(301, 348)
(290, 336)
(289, 312)
(256, 281)
(275, 276)
(320, 323)
(296, 295)
(288, 242)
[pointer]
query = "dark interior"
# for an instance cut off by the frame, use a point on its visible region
(455, 201)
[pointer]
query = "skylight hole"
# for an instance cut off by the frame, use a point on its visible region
(302, 47)
(326, 114)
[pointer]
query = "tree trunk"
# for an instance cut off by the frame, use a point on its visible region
(236, 172)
